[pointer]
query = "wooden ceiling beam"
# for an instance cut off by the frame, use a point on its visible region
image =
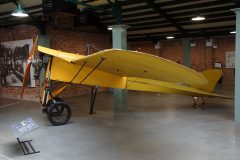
(169, 3)
(164, 4)
(200, 5)
(237, 2)
(212, 29)
(150, 27)
(129, 15)
(169, 18)
(7, 1)
(204, 11)
(153, 25)
(155, 19)
(123, 3)
(225, 9)
(177, 36)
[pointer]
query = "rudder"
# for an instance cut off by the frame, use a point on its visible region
(213, 76)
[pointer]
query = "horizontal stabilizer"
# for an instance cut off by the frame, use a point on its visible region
(167, 87)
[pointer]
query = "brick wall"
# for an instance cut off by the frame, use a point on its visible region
(70, 41)
(225, 45)
(166, 49)
(202, 57)
(76, 42)
(20, 32)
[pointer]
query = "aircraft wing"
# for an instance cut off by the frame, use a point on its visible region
(64, 71)
(126, 63)
(167, 87)
(69, 57)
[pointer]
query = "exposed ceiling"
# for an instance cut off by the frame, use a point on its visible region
(148, 19)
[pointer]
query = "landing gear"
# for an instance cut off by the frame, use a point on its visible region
(59, 113)
(92, 99)
(199, 106)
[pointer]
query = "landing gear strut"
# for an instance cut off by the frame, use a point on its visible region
(199, 106)
(92, 98)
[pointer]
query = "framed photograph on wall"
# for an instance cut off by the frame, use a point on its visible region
(13, 60)
(230, 59)
(217, 65)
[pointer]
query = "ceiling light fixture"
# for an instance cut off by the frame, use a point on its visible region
(19, 12)
(109, 28)
(169, 37)
(233, 32)
(198, 18)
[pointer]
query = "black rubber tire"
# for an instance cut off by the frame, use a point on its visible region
(53, 112)
(57, 99)
(50, 102)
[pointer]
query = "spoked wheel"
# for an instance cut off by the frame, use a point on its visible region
(59, 113)
(54, 100)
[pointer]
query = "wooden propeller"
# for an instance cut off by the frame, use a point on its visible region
(29, 63)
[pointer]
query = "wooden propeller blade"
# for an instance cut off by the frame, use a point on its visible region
(34, 48)
(25, 77)
(29, 63)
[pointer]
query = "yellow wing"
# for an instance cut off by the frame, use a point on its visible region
(63, 55)
(167, 87)
(125, 63)
(62, 70)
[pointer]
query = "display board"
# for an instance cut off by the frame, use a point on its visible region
(21, 128)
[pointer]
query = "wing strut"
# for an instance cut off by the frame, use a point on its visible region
(59, 91)
(94, 88)
(92, 98)
(102, 59)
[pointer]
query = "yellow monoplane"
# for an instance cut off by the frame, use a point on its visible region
(116, 68)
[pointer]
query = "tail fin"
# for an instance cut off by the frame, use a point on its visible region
(213, 76)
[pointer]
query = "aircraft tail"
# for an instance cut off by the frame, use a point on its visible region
(213, 76)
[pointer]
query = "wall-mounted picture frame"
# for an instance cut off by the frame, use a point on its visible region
(217, 65)
(230, 59)
(13, 61)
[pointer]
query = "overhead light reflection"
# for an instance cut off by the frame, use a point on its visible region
(170, 37)
(198, 18)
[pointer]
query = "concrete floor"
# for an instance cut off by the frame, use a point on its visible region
(155, 126)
